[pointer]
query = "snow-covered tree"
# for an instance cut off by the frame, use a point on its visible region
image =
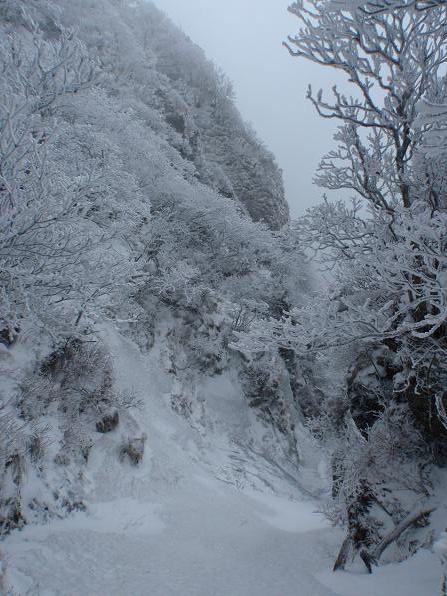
(391, 61)
(47, 240)
(386, 306)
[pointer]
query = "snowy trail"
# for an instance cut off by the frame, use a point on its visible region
(200, 543)
(212, 541)
(171, 528)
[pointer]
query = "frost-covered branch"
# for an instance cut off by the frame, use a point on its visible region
(390, 60)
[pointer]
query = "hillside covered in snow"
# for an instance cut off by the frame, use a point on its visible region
(183, 410)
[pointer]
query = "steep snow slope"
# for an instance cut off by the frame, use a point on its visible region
(180, 96)
(202, 516)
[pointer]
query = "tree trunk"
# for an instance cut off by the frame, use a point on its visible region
(411, 520)
(340, 561)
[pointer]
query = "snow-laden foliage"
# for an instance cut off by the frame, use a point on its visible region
(371, 7)
(377, 336)
(132, 194)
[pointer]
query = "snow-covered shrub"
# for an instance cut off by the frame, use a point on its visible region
(49, 243)
(381, 488)
(76, 379)
(198, 341)
(267, 388)
(21, 443)
(263, 379)
(49, 426)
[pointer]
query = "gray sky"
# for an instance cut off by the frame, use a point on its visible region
(244, 38)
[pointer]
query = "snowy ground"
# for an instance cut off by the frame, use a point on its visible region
(180, 526)
(203, 541)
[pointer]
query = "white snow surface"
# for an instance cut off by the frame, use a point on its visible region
(184, 523)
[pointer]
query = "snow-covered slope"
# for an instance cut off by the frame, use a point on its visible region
(119, 146)
(203, 515)
(149, 444)
(181, 97)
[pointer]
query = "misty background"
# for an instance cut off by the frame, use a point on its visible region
(245, 40)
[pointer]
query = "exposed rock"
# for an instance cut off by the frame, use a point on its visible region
(133, 449)
(108, 423)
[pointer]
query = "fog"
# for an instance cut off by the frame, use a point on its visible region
(244, 38)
